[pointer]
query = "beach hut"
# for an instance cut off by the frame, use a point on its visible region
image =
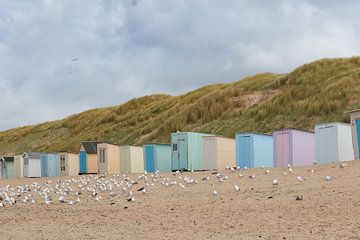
(50, 164)
(108, 158)
(2, 167)
(19, 166)
(187, 151)
(88, 157)
(254, 150)
(32, 164)
(333, 143)
(69, 164)
(355, 130)
(7, 167)
(294, 147)
(218, 152)
(157, 157)
(131, 159)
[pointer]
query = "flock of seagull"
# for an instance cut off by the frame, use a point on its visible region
(71, 191)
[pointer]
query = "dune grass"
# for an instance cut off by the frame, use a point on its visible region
(321, 91)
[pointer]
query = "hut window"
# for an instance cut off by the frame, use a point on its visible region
(175, 147)
(62, 163)
(26, 161)
(102, 155)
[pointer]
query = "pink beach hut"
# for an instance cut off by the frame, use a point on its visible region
(294, 147)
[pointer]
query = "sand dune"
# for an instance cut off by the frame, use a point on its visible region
(329, 209)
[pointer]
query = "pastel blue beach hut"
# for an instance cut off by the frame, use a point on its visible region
(254, 150)
(50, 164)
(187, 151)
(157, 157)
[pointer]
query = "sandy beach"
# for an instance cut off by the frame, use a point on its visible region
(329, 209)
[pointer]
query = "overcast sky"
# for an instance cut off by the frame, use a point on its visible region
(59, 57)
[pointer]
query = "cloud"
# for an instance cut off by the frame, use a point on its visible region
(129, 48)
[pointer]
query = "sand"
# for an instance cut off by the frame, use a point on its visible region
(329, 209)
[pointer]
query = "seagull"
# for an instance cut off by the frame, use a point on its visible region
(252, 176)
(290, 170)
(241, 176)
(74, 59)
(343, 165)
(267, 171)
(215, 192)
(205, 178)
(314, 162)
(130, 199)
(275, 182)
(299, 197)
(2, 205)
(237, 188)
(262, 166)
(141, 189)
(300, 178)
(328, 178)
(245, 167)
(112, 194)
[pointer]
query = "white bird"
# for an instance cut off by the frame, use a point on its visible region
(237, 188)
(328, 178)
(238, 168)
(275, 182)
(245, 167)
(290, 170)
(241, 176)
(314, 162)
(2, 205)
(252, 176)
(130, 199)
(61, 199)
(262, 166)
(300, 178)
(343, 165)
(215, 192)
(112, 194)
(267, 171)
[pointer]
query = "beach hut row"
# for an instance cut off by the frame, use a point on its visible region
(190, 151)
(330, 143)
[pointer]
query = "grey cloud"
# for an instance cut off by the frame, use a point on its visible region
(130, 48)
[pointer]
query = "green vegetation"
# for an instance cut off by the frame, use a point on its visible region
(318, 92)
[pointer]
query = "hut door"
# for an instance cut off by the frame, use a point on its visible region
(331, 149)
(4, 170)
(150, 158)
(322, 145)
(246, 152)
(83, 168)
(357, 122)
(182, 155)
(283, 149)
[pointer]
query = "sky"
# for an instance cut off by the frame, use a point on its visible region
(59, 57)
